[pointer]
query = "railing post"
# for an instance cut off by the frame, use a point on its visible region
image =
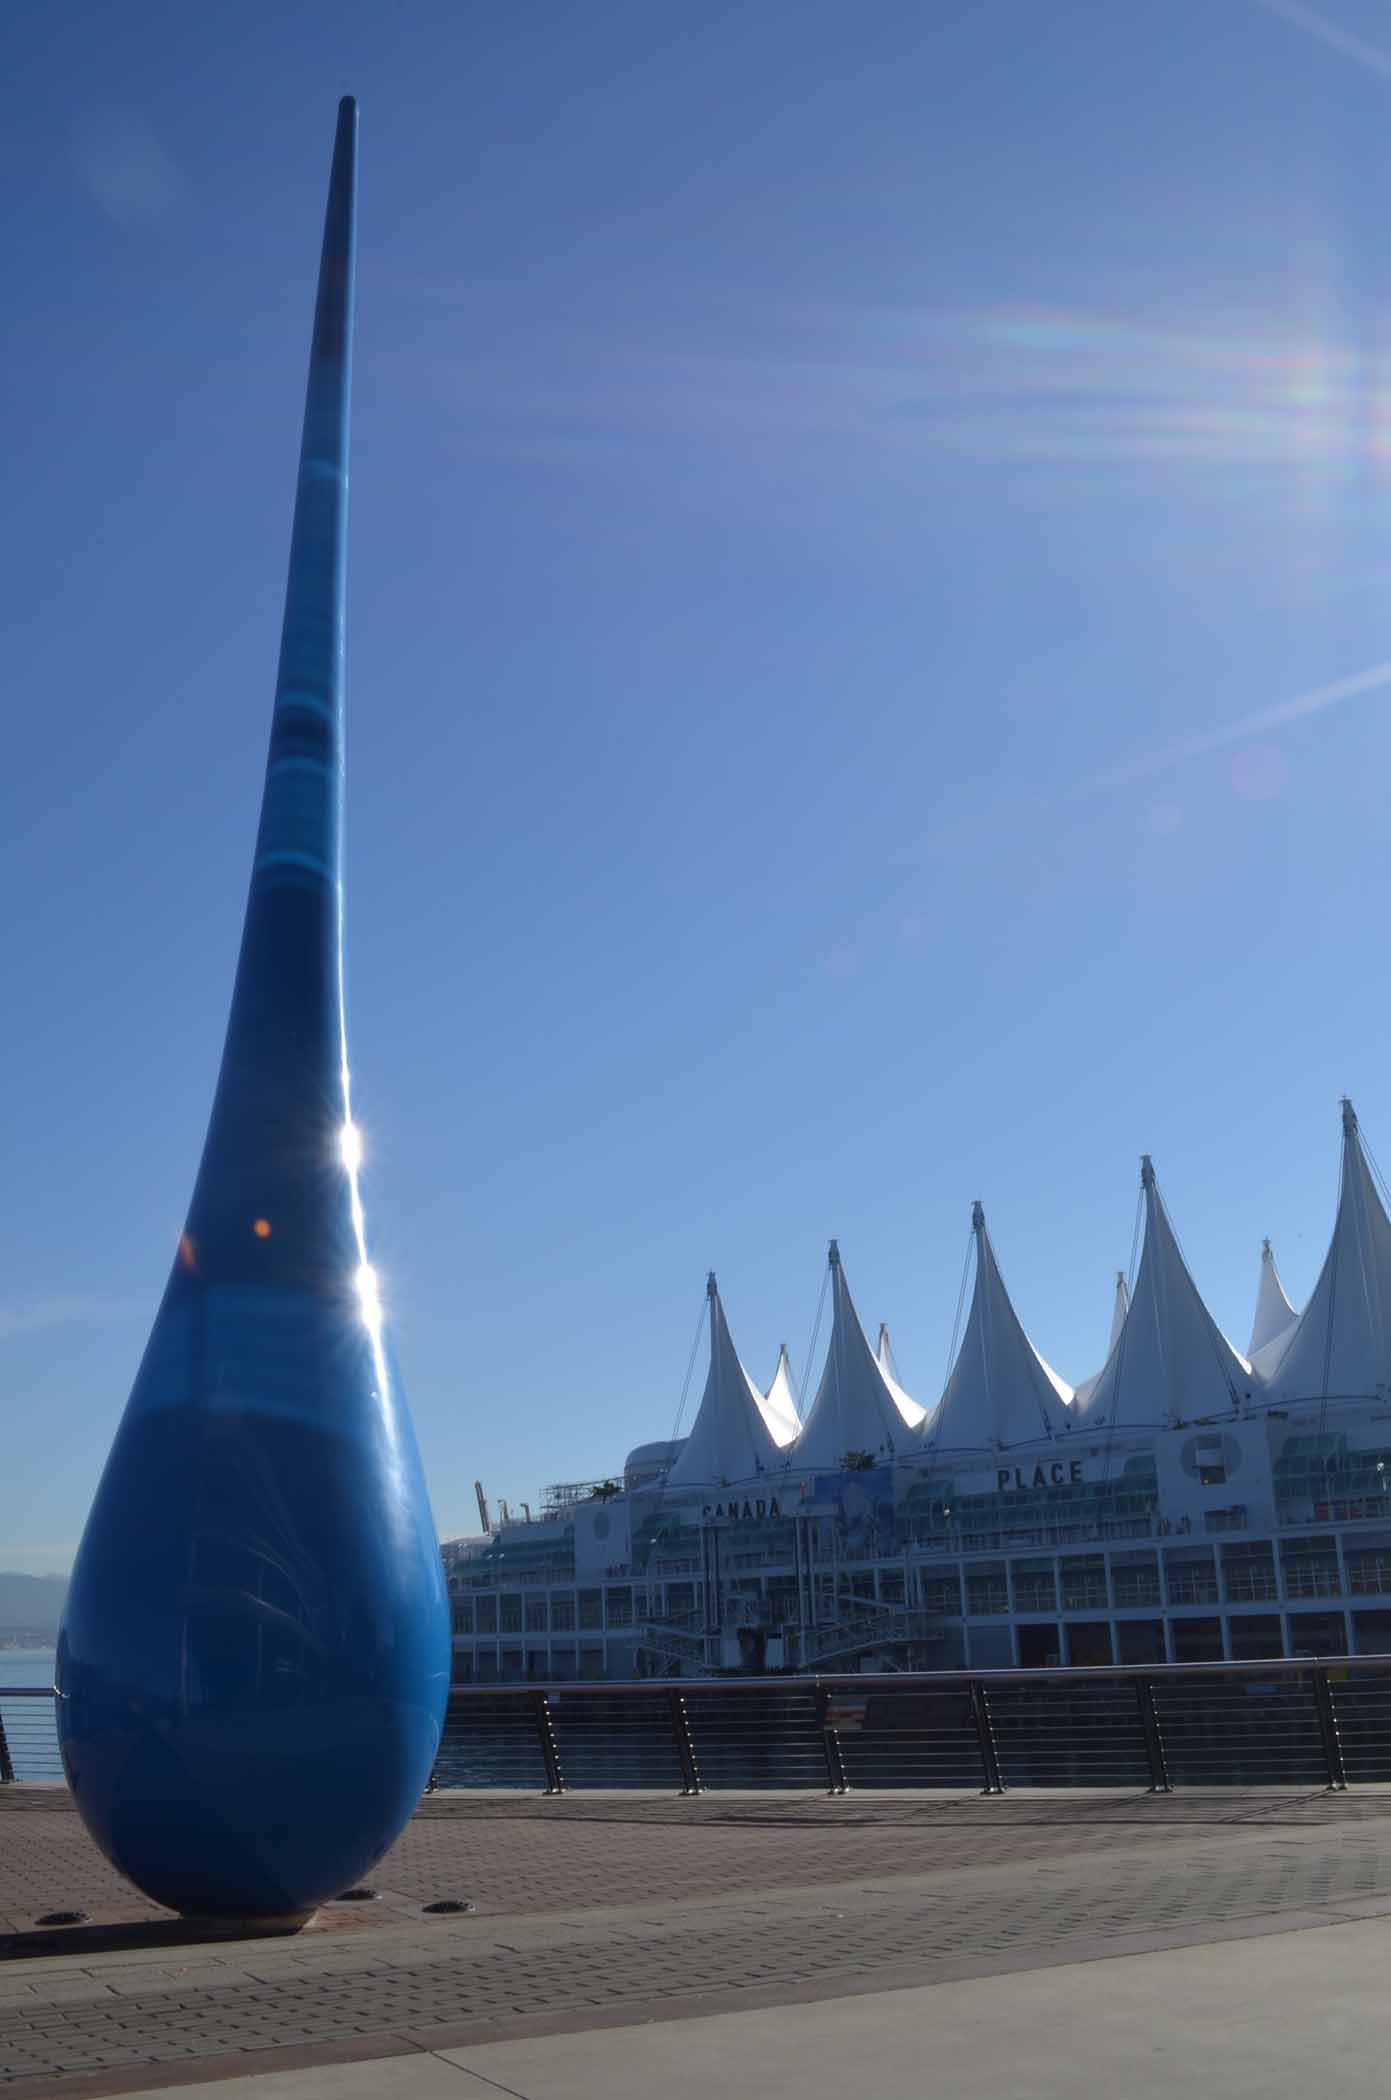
(6, 1768)
(1154, 1741)
(550, 1749)
(432, 1783)
(985, 1737)
(1328, 1730)
(836, 1781)
(685, 1747)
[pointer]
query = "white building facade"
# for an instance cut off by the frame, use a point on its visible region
(1187, 1502)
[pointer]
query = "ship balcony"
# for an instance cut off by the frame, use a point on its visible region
(1313, 1581)
(1136, 1589)
(1352, 1509)
(1368, 1570)
(943, 1539)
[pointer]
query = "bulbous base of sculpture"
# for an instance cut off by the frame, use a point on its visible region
(254, 1660)
(255, 1817)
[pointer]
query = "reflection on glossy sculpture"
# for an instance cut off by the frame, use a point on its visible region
(254, 1658)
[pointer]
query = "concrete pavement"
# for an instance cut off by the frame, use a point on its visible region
(1286, 2014)
(608, 1927)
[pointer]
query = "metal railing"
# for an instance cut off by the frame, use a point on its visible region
(28, 1737)
(1276, 1722)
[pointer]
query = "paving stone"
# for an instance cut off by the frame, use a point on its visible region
(589, 1904)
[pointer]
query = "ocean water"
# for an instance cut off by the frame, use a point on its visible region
(28, 1723)
(27, 1666)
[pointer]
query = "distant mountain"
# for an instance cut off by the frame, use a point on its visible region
(31, 1603)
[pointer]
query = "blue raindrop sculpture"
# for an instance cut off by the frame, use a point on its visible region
(254, 1658)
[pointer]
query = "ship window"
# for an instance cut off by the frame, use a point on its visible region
(1248, 1571)
(1034, 1587)
(1369, 1570)
(1191, 1575)
(1371, 1632)
(1211, 1462)
(1089, 1644)
(987, 1591)
(1039, 1648)
(1311, 1568)
(1084, 1583)
(1135, 1577)
(1140, 1640)
(1255, 1634)
(1315, 1633)
(1197, 1640)
(940, 1591)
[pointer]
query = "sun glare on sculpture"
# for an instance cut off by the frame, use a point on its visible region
(350, 1143)
(369, 1295)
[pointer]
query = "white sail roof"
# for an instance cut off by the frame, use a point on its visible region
(1275, 1316)
(1171, 1362)
(1120, 1306)
(729, 1438)
(779, 1404)
(1338, 1349)
(883, 1349)
(859, 1406)
(1000, 1392)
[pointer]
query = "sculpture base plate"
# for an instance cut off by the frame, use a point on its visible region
(249, 1928)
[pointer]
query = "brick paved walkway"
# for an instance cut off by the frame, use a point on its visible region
(610, 1908)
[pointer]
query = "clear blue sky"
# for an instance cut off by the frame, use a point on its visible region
(843, 500)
